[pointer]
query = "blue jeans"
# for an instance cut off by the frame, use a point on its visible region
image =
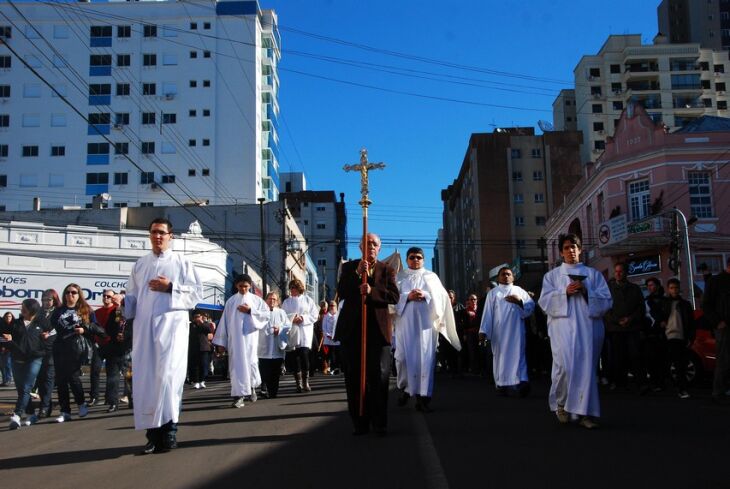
(25, 374)
(6, 366)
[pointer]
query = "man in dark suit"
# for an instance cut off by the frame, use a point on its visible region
(380, 291)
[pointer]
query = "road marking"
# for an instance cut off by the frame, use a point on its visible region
(435, 475)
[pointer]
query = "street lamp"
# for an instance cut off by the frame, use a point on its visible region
(294, 245)
(688, 258)
(263, 247)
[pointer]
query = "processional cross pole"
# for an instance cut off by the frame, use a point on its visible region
(364, 167)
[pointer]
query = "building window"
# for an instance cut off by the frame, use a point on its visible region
(540, 220)
(146, 204)
(147, 177)
(97, 149)
(148, 118)
(519, 221)
(169, 118)
(639, 196)
(206, 54)
(594, 72)
(193, 83)
(124, 60)
(206, 83)
(599, 145)
(3, 180)
(206, 112)
(596, 90)
(536, 153)
(120, 204)
(4, 120)
(615, 69)
(705, 84)
(5, 62)
(321, 262)
(205, 172)
(516, 153)
(206, 142)
(149, 89)
(100, 60)
(320, 208)
(168, 178)
(598, 126)
(539, 198)
(537, 175)
(517, 176)
(191, 172)
(148, 147)
(121, 148)
(169, 59)
(150, 30)
(722, 105)
(123, 89)
(192, 113)
(597, 108)
(97, 178)
(58, 150)
(31, 120)
(4, 150)
(193, 54)
(720, 87)
(618, 105)
(616, 88)
(58, 120)
(99, 119)
(6, 32)
(700, 193)
(519, 198)
(192, 142)
(4, 91)
(719, 68)
(121, 119)
(321, 225)
(30, 151)
(121, 178)
(149, 60)
(206, 25)
(124, 31)
(193, 26)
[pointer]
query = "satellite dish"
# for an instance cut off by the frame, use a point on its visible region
(545, 126)
(105, 197)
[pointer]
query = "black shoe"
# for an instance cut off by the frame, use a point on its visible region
(112, 409)
(92, 402)
(403, 398)
(148, 448)
(169, 442)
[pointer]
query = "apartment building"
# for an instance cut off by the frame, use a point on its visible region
(147, 103)
(676, 83)
(703, 22)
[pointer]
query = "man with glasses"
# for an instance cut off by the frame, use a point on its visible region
(379, 290)
(503, 324)
(423, 311)
(161, 290)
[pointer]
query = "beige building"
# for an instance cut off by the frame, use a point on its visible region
(495, 210)
(676, 83)
(564, 113)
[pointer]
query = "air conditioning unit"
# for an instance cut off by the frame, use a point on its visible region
(602, 131)
(169, 96)
(118, 126)
(721, 92)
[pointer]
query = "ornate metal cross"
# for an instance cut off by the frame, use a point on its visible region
(364, 167)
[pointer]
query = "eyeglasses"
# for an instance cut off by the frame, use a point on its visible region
(72, 292)
(159, 233)
(415, 257)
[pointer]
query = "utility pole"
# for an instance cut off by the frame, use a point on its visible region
(281, 216)
(263, 246)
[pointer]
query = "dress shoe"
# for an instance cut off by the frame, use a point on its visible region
(112, 409)
(148, 448)
(403, 398)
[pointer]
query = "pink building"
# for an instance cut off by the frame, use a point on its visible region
(623, 207)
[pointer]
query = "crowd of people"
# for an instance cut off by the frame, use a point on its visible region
(582, 330)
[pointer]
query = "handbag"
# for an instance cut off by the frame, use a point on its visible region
(82, 347)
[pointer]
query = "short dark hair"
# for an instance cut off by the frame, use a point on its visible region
(504, 268)
(653, 280)
(414, 249)
(32, 306)
(161, 220)
(244, 277)
(572, 237)
(674, 281)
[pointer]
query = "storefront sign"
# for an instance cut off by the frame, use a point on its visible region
(643, 265)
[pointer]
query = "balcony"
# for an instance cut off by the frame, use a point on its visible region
(97, 189)
(97, 159)
(100, 42)
(97, 129)
(643, 86)
(100, 71)
(100, 99)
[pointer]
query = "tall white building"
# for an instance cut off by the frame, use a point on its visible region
(176, 101)
(675, 83)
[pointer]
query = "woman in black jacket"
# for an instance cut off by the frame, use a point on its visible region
(26, 344)
(71, 321)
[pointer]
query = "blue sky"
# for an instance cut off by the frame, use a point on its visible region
(519, 54)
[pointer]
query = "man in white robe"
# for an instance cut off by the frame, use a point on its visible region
(238, 332)
(422, 312)
(575, 298)
(503, 324)
(303, 312)
(161, 290)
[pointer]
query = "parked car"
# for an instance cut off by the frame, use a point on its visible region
(702, 351)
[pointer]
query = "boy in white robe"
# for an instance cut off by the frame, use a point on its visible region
(575, 298)
(503, 324)
(423, 311)
(162, 288)
(238, 332)
(272, 343)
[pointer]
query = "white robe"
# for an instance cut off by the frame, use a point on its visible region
(576, 334)
(160, 340)
(329, 322)
(238, 333)
(304, 306)
(271, 345)
(417, 326)
(504, 325)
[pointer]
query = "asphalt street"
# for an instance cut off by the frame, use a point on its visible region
(473, 439)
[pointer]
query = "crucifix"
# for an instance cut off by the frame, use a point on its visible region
(364, 167)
